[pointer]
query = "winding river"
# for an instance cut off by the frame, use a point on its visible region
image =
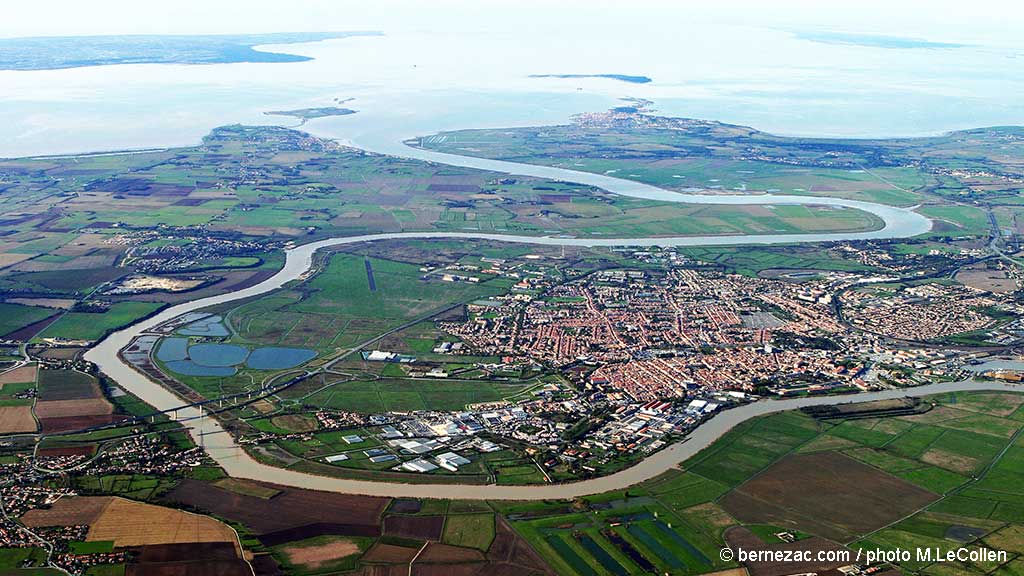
(899, 223)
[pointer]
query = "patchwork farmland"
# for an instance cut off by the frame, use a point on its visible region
(946, 478)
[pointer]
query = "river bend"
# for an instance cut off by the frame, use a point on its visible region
(899, 223)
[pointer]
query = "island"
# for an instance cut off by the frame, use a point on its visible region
(306, 114)
(619, 77)
(874, 40)
(59, 52)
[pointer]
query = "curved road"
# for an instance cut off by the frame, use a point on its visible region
(221, 446)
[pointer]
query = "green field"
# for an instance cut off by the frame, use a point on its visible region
(965, 220)
(622, 218)
(336, 308)
(975, 473)
(65, 384)
(93, 326)
(385, 395)
(97, 547)
(11, 558)
(469, 530)
(754, 259)
(718, 168)
(16, 316)
(597, 542)
(685, 154)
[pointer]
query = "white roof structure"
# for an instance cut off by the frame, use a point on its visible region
(451, 461)
(419, 465)
(418, 447)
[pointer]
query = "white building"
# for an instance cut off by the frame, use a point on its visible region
(451, 461)
(419, 465)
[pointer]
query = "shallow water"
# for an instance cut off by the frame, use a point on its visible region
(212, 327)
(469, 69)
(217, 354)
(274, 358)
(190, 368)
(172, 349)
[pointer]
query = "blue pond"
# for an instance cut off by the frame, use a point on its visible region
(213, 359)
(217, 354)
(211, 326)
(173, 349)
(277, 358)
(190, 368)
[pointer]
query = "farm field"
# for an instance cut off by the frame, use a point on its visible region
(664, 158)
(128, 523)
(154, 534)
(192, 558)
(628, 536)
(94, 325)
(860, 499)
(337, 308)
(68, 512)
(14, 419)
(624, 217)
(469, 530)
(698, 155)
(945, 478)
(67, 385)
(70, 400)
(21, 375)
(322, 554)
(400, 395)
(319, 533)
(753, 260)
(15, 316)
(286, 512)
(966, 220)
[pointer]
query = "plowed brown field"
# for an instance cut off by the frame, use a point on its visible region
(16, 419)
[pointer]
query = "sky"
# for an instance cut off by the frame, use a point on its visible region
(988, 21)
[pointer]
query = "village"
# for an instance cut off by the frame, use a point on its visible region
(31, 483)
